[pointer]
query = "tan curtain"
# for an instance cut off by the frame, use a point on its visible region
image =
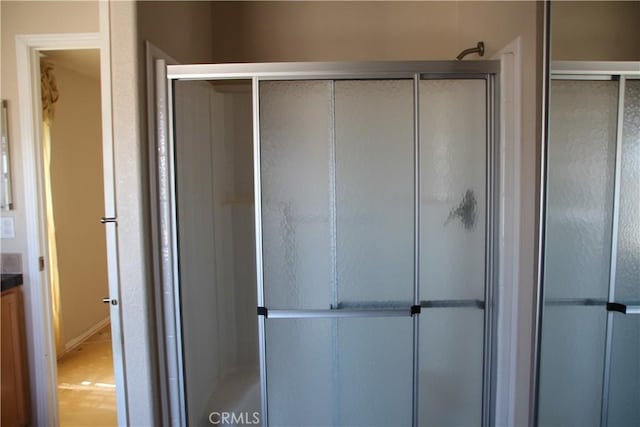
(50, 95)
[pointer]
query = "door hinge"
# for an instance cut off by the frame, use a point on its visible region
(107, 300)
(41, 263)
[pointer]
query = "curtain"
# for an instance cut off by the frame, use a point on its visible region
(49, 92)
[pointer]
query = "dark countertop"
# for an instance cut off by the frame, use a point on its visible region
(11, 280)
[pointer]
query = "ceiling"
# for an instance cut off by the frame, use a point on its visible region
(83, 61)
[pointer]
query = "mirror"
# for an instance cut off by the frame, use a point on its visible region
(589, 373)
(595, 31)
(6, 199)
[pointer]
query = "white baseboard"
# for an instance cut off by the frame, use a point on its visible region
(72, 344)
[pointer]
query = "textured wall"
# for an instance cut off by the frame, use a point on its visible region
(20, 17)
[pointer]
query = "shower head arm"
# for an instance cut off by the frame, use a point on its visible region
(479, 49)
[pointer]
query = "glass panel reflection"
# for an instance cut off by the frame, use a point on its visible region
(582, 136)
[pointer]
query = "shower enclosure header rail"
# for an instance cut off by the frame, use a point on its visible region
(324, 70)
(595, 69)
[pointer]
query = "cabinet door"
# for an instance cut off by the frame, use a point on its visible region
(14, 379)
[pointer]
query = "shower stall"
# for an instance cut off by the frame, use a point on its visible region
(329, 242)
(589, 361)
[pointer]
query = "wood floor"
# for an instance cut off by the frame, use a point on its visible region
(86, 388)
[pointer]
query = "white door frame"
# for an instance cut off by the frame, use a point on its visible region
(37, 293)
(510, 317)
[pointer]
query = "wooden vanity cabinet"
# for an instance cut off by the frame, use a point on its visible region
(14, 379)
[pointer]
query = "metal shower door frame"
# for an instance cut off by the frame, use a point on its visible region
(489, 71)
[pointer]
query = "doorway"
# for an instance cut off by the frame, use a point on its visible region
(76, 241)
(374, 210)
(30, 49)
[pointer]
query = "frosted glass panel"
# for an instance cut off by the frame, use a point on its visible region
(295, 135)
(628, 265)
(375, 371)
(624, 386)
(572, 360)
(624, 393)
(452, 189)
(451, 365)
(581, 156)
(300, 364)
(374, 189)
(216, 247)
(325, 372)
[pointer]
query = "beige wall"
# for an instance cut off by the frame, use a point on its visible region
(180, 28)
(26, 17)
(78, 202)
(322, 31)
(595, 31)
(344, 31)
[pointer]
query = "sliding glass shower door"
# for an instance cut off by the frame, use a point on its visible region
(374, 210)
(338, 238)
(374, 205)
(590, 344)
(455, 250)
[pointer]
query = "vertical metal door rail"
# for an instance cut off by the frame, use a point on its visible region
(416, 249)
(538, 299)
(257, 185)
(489, 280)
(333, 224)
(606, 375)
